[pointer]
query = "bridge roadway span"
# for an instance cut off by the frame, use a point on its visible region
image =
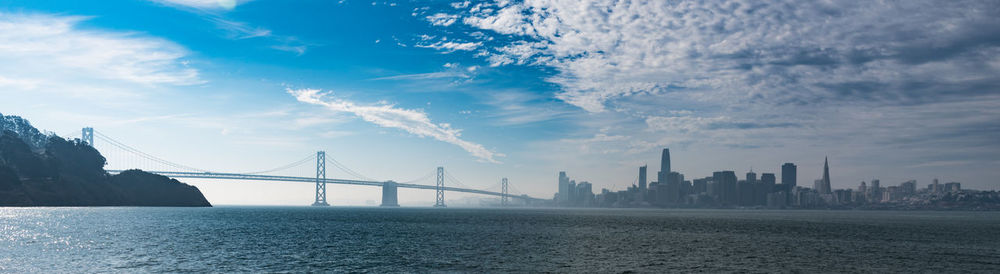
(236, 176)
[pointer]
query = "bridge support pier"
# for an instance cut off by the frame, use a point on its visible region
(440, 188)
(389, 197)
(320, 179)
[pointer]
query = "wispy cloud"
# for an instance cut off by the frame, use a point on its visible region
(240, 30)
(520, 108)
(413, 121)
(43, 46)
(214, 12)
(429, 75)
(450, 46)
(442, 19)
(203, 4)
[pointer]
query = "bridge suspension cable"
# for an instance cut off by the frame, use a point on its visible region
(303, 161)
(344, 168)
(455, 181)
(447, 176)
(425, 177)
(144, 155)
(495, 187)
(514, 190)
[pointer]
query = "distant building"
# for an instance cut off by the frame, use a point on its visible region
(890, 194)
(563, 196)
(875, 191)
(673, 193)
(766, 186)
(700, 186)
(776, 200)
(571, 193)
(745, 193)
(805, 198)
(953, 187)
(789, 175)
(725, 183)
(862, 194)
(768, 178)
(642, 178)
(584, 194)
(843, 196)
(664, 166)
(908, 188)
(935, 187)
(824, 187)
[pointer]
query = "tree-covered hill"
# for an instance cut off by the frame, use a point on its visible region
(46, 170)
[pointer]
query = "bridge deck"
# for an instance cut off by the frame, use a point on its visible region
(236, 176)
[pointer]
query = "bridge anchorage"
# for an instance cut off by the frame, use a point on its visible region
(122, 157)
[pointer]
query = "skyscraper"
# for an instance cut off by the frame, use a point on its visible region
(563, 188)
(642, 178)
(788, 176)
(767, 178)
(571, 198)
(875, 191)
(664, 166)
(726, 185)
(766, 184)
(824, 187)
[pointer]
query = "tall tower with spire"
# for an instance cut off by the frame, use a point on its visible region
(664, 167)
(825, 187)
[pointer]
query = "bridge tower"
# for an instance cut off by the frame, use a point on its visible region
(440, 188)
(320, 179)
(88, 136)
(503, 189)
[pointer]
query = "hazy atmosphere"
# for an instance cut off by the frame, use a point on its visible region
(891, 90)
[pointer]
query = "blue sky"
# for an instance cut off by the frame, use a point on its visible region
(392, 89)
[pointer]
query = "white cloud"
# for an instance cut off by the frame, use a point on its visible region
(460, 5)
(521, 108)
(38, 46)
(298, 50)
(870, 79)
(450, 46)
(732, 51)
(442, 19)
(203, 4)
(413, 121)
(240, 30)
(234, 29)
(430, 75)
(22, 84)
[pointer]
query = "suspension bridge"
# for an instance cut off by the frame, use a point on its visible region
(124, 157)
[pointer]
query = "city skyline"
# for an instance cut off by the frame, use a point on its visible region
(724, 189)
(492, 89)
